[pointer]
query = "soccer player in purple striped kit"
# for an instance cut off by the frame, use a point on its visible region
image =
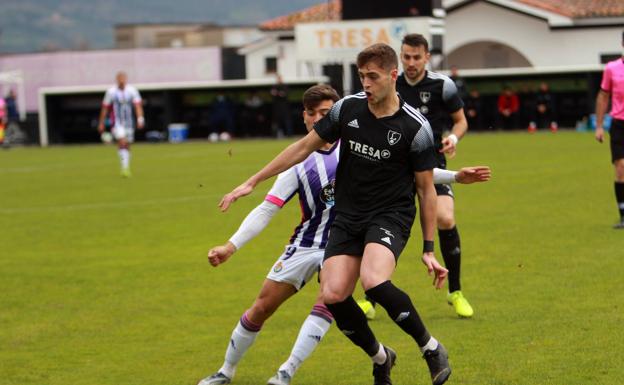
(313, 180)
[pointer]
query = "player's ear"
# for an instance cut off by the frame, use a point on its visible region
(394, 73)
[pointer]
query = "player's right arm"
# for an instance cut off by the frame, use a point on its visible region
(290, 156)
(326, 130)
(283, 189)
(602, 103)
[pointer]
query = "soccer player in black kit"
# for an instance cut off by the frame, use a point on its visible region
(386, 159)
(436, 97)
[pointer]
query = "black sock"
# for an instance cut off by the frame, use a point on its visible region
(451, 252)
(401, 310)
(369, 299)
(352, 322)
(619, 197)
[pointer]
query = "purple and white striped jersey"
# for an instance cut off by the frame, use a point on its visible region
(314, 180)
(122, 102)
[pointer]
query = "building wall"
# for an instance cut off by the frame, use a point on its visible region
(99, 67)
(529, 36)
(287, 64)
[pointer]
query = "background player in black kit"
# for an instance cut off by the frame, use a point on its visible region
(436, 97)
(387, 155)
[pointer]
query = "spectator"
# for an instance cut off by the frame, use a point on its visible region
(222, 116)
(508, 106)
(545, 112)
(474, 113)
(282, 124)
(526, 115)
(460, 83)
(10, 120)
(3, 118)
(11, 108)
(253, 116)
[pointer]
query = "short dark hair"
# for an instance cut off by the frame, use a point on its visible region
(381, 54)
(416, 40)
(314, 95)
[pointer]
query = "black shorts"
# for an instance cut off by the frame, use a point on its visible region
(350, 238)
(616, 136)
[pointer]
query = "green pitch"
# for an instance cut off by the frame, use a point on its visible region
(104, 280)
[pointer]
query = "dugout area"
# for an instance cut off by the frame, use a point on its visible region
(70, 114)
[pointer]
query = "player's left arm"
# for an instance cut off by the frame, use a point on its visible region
(138, 110)
(465, 175)
(460, 126)
(455, 107)
(427, 200)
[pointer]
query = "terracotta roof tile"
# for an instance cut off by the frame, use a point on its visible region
(332, 11)
(577, 9)
(328, 11)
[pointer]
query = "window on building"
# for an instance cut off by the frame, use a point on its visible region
(270, 65)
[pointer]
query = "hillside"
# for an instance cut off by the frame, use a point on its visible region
(34, 25)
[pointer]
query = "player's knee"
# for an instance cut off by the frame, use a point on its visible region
(260, 311)
(619, 170)
(331, 295)
(446, 220)
(371, 281)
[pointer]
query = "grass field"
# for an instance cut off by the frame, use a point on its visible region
(105, 281)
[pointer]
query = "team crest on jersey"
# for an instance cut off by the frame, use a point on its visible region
(327, 193)
(393, 137)
(425, 96)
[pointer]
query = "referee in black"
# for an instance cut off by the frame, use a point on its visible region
(436, 97)
(387, 157)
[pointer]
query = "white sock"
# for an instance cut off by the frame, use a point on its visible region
(432, 344)
(124, 157)
(240, 341)
(310, 334)
(381, 356)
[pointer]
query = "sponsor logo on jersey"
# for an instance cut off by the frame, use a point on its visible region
(402, 316)
(393, 137)
(387, 240)
(353, 123)
(368, 152)
(425, 96)
(327, 193)
(278, 267)
(423, 110)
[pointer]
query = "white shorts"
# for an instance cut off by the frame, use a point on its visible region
(297, 265)
(121, 132)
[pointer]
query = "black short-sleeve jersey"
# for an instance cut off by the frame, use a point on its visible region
(378, 157)
(435, 96)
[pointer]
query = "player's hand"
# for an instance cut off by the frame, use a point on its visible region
(101, 127)
(449, 146)
(242, 190)
(219, 254)
(599, 134)
(468, 175)
(140, 122)
(433, 266)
